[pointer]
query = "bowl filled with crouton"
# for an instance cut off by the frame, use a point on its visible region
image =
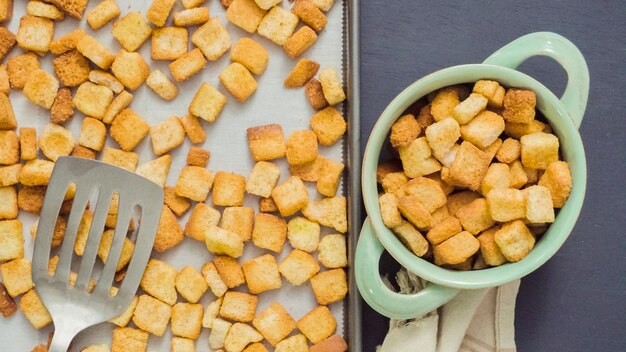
(473, 176)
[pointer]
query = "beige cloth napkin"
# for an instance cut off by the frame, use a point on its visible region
(473, 321)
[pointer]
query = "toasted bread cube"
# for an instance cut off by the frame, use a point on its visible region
(262, 274)
(412, 154)
(41, 88)
(7, 39)
(92, 134)
(36, 172)
(266, 5)
(191, 16)
(187, 320)
(329, 212)
(558, 180)
(63, 108)
(9, 148)
(10, 175)
(301, 73)
(130, 69)
(105, 246)
(440, 214)
(267, 205)
(207, 103)
(489, 250)
(7, 116)
(329, 286)
(238, 81)
(443, 104)
(128, 129)
(466, 110)
(311, 171)
(331, 177)
(181, 344)
(214, 280)
(393, 182)
(404, 131)
(159, 280)
(202, 218)
(296, 343)
(262, 179)
(129, 340)
(332, 251)
(196, 134)
(266, 142)
(269, 232)
(218, 333)
(117, 105)
(74, 8)
(176, 203)
(190, 284)
(120, 158)
(34, 310)
(315, 94)
(310, 14)
(415, 211)
(274, 323)
(19, 68)
(509, 151)
(83, 232)
(167, 135)
(220, 241)
(469, 167)
(8, 306)
(514, 240)
(328, 125)
(539, 150)
(72, 68)
(11, 239)
(389, 210)
(298, 267)
(91, 48)
(56, 141)
(303, 234)
(212, 39)
(239, 336)
(318, 324)
(250, 54)
(334, 343)
(229, 270)
(427, 191)
(152, 315)
(239, 220)
(492, 149)
(8, 203)
(5, 88)
(299, 42)
(197, 156)
(290, 196)
(169, 233)
(187, 65)
(93, 100)
(228, 189)
(331, 85)
(411, 238)
(238, 306)
(506, 204)
(104, 12)
(519, 105)
(443, 230)
(301, 147)
(169, 43)
(475, 217)
(484, 129)
(106, 79)
(40, 9)
(67, 42)
(16, 276)
(35, 33)
(278, 25)
(131, 31)
(456, 249)
(159, 11)
(497, 176)
(518, 130)
(490, 90)
(245, 14)
(161, 85)
(539, 208)
(518, 176)
(211, 312)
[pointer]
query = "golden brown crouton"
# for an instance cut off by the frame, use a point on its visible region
(328, 125)
(299, 42)
(331, 85)
(229, 270)
(443, 103)
(212, 39)
(167, 135)
(250, 54)
(159, 281)
(290, 196)
(506, 204)
(10, 175)
(176, 203)
(514, 240)
(427, 191)
(329, 286)
(19, 68)
(5, 86)
(475, 217)
(303, 234)
(92, 134)
(245, 14)
(274, 323)
(40, 9)
(296, 343)
(558, 180)
(191, 16)
(219, 331)
(169, 233)
(239, 306)
(328, 183)
(519, 105)
(318, 324)
(7, 40)
(311, 171)
(41, 88)
(72, 68)
(329, 212)
(404, 131)
(93, 100)
(67, 42)
(202, 218)
(130, 69)
(7, 116)
(213, 279)
(12, 240)
(469, 167)
(104, 12)
(91, 48)
(497, 176)
(302, 72)
(298, 267)
(278, 25)
(269, 232)
(539, 150)
(238, 81)
(187, 65)
(228, 189)
(117, 105)
(489, 250)
(239, 336)
(131, 31)
(262, 179)
(490, 90)
(262, 274)
(162, 85)
(332, 251)
(181, 344)
(106, 79)
(539, 208)
(266, 142)
(445, 229)
(16, 276)
(509, 151)
(310, 14)
(152, 315)
(187, 320)
(156, 170)
(120, 158)
(315, 94)
(301, 147)
(8, 203)
(35, 33)
(456, 249)
(34, 310)
(198, 157)
(415, 211)
(220, 241)
(193, 129)
(207, 103)
(36, 172)
(389, 210)
(416, 159)
(56, 141)
(129, 340)
(411, 238)
(128, 129)
(169, 43)
(334, 343)
(466, 110)
(159, 11)
(211, 312)
(267, 205)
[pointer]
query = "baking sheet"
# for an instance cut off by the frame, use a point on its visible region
(226, 139)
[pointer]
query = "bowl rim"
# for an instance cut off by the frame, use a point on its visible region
(562, 125)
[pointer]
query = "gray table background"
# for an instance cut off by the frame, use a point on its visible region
(577, 301)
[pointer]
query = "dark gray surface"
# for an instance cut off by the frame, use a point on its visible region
(577, 301)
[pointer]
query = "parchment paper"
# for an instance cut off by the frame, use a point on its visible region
(226, 139)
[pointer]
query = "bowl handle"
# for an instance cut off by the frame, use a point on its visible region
(564, 52)
(379, 296)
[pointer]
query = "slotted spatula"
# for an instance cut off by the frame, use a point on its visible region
(73, 308)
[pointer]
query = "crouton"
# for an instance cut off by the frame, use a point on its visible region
(311, 171)
(128, 129)
(7, 304)
(331, 85)
(191, 16)
(415, 211)
(301, 73)
(298, 267)
(469, 167)
(266, 142)
(19, 68)
(239, 220)
(266, 5)
(11, 239)
(181, 344)
(92, 134)
(91, 48)
(129, 340)
(207, 103)
(36, 172)
(83, 152)
(228, 189)
(489, 250)
(238, 81)
(7, 40)
(330, 178)
(56, 141)
(9, 148)
(8, 203)
(539, 208)
(497, 176)
(159, 11)
(106, 79)
(34, 310)
(278, 25)
(506, 204)
(16, 276)
(128, 248)
(245, 14)
(212, 39)
(539, 150)
(456, 249)
(40, 9)
(389, 210)
(250, 54)
(198, 157)
(411, 238)
(35, 33)
(167, 135)
(475, 217)
(131, 31)
(484, 129)
(290, 196)
(404, 131)
(267, 205)
(514, 240)
(202, 218)
(301, 147)
(187, 320)
(310, 14)
(239, 336)
(161, 85)
(490, 90)
(328, 125)
(330, 286)
(116, 106)
(120, 158)
(41, 88)
(558, 180)
(152, 315)
(213, 279)
(427, 191)
(130, 69)
(10, 175)
(5, 88)
(159, 281)
(509, 151)
(315, 94)
(218, 333)
(211, 312)
(329, 212)
(303, 234)
(72, 68)
(442, 136)
(269, 232)
(93, 100)
(196, 134)
(416, 159)
(393, 182)
(443, 104)
(299, 42)
(230, 271)
(176, 203)
(169, 43)
(517, 174)
(169, 233)
(67, 42)
(104, 12)
(318, 324)
(238, 306)
(443, 230)
(262, 274)
(274, 323)
(519, 105)
(156, 170)
(187, 65)
(296, 343)
(262, 179)
(518, 130)
(220, 241)
(466, 110)
(334, 343)
(332, 251)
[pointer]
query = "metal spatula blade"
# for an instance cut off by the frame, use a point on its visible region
(74, 308)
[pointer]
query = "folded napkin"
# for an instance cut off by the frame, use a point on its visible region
(475, 320)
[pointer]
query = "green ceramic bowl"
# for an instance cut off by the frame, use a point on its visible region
(564, 114)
